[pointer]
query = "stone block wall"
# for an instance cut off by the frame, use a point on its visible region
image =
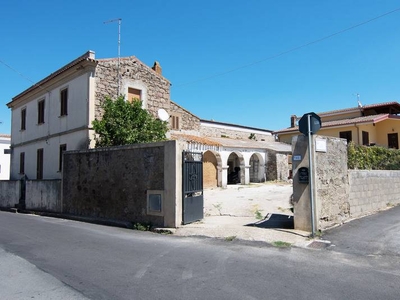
(372, 190)
(106, 78)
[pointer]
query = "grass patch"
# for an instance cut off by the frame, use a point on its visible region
(280, 244)
(230, 238)
(141, 226)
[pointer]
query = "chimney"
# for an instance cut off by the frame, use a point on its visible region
(156, 67)
(293, 119)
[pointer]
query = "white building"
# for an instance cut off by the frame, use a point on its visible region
(5, 141)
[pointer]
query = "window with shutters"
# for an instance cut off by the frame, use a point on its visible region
(64, 102)
(134, 94)
(175, 122)
(23, 119)
(41, 112)
(22, 163)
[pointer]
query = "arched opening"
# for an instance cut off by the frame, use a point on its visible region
(236, 171)
(210, 170)
(257, 168)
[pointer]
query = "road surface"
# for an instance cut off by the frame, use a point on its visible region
(48, 258)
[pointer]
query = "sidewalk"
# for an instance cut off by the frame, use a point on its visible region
(256, 212)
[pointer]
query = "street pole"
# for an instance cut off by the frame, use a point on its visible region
(311, 176)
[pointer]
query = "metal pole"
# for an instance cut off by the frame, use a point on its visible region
(119, 49)
(311, 177)
(119, 55)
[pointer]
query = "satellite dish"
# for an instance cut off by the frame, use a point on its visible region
(163, 115)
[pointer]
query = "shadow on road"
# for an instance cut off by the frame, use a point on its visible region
(275, 221)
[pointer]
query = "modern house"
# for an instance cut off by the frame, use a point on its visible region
(56, 114)
(373, 124)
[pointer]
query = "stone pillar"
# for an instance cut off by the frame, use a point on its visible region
(247, 174)
(224, 177)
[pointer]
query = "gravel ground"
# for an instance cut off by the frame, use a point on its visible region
(248, 200)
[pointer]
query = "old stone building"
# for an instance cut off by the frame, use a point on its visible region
(56, 115)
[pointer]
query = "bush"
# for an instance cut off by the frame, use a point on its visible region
(372, 158)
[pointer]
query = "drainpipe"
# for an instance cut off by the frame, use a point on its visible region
(358, 134)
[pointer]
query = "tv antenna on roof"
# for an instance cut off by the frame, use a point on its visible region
(119, 46)
(359, 104)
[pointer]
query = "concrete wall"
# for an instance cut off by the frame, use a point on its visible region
(113, 183)
(9, 193)
(372, 190)
(43, 195)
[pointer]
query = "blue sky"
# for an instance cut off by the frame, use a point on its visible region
(223, 57)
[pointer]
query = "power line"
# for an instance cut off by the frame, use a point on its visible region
(291, 50)
(20, 74)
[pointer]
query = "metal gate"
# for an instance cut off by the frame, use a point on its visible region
(193, 201)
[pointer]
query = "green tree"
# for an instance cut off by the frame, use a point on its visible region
(125, 123)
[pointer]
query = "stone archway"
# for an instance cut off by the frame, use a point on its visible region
(236, 168)
(257, 168)
(211, 161)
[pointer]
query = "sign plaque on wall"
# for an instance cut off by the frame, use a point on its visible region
(303, 175)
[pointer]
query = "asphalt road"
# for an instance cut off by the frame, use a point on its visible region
(46, 258)
(374, 235)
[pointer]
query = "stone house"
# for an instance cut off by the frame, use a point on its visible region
(373, 124)
(56, 114)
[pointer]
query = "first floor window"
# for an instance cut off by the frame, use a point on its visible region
(23, 119)
(134, 94)
(60, 160)
(174, 121)
(41, 112)
(346, 135)
(22, 163)
(64, 102)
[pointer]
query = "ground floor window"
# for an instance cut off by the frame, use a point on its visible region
(39, 164)
(393, 140)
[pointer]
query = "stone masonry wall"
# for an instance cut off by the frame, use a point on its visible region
(233, 134)
(282, 166)
(372, 190)
(331, 182)
(111, 183)
(187, 120)
(276, 166)
(270, 166)
(158, 88)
